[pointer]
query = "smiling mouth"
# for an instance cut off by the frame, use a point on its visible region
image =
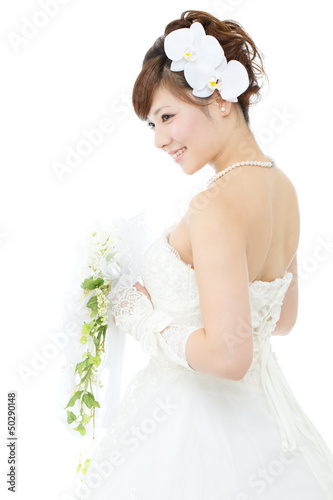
(179, 152)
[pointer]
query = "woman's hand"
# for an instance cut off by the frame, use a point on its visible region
(141, 289)
(135, 314)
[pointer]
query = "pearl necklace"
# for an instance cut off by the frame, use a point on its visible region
(239, 164)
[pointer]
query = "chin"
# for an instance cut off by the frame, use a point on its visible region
(189, 168)
(188, 171)
(193, 169)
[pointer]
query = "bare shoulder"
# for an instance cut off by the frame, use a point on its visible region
(283, 180)
(231, 197)
(243, 193)
(285, 205)
(219, 231)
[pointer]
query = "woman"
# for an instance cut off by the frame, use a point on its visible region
(212, 416)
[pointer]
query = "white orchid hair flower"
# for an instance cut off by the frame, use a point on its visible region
(205, 66)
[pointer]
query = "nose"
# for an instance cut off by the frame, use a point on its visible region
(161, 138)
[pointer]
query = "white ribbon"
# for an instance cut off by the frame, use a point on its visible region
(291, 419)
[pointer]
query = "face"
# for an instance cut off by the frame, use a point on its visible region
(182, 127)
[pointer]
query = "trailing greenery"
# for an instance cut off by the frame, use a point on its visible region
(102, 261)
(88, 368)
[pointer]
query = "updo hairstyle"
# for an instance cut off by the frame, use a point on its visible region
(236, 43)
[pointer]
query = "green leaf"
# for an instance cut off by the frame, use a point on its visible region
(86, 466)
(80, 366)
(76, 396)
(83, 339)
(92, 304)
(87, 327)
(92, 301)
(78, 469)
(97, 359)
(81, 429)
(89, 400)
(71, 417)
(90, 360)
(91, 284)
(85, 418)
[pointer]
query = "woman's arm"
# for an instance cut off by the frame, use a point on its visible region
(219, 232)
(205, 358)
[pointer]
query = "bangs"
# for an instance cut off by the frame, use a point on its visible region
(156, 73)
(145, 85)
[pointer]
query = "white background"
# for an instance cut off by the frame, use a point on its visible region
(75, 71)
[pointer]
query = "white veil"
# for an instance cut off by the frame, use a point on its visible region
(134, 238)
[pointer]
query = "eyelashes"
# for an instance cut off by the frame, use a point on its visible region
(151, 125)
(166, 115)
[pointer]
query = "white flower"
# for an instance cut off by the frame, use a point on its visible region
(205, 67)
(192, 44)
(102, 253)
(102, 306)
(231, 79)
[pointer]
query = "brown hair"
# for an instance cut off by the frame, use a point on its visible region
(236, 44)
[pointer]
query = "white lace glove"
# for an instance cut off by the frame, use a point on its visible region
(134, 314)
(173, 342)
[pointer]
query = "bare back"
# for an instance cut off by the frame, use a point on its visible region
(275, 224)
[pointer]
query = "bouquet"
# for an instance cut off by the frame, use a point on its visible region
(102, 260)
(111, 254)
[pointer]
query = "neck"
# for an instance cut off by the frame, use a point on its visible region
(240, 145)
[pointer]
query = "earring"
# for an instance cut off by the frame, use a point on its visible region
(223, 108)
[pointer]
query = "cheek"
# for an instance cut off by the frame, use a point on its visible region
(191, 130)
(181, 132)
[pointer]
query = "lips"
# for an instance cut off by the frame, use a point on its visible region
(177, 152)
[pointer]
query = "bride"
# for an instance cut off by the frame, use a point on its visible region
(212, 416)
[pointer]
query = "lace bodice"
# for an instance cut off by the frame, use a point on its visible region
(172, 286)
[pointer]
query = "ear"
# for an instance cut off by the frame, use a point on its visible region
(219, 102)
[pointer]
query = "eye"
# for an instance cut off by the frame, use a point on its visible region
(163, 116)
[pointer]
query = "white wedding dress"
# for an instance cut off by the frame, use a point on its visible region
(179, 434)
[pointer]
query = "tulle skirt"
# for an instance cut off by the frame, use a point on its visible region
(181, 435)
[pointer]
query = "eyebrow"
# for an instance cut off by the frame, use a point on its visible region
(159, 109)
